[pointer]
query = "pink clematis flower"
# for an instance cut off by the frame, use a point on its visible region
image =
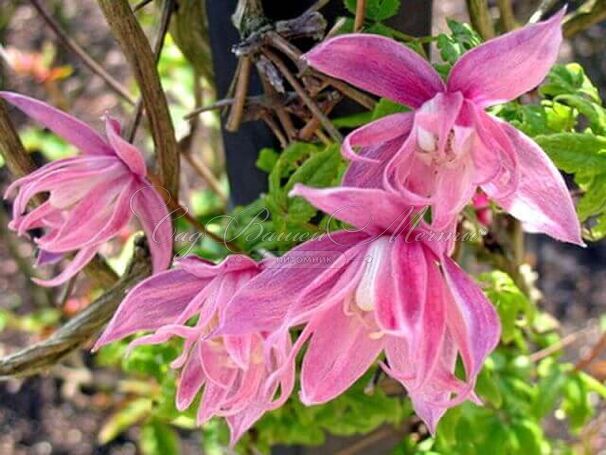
(384, 289)
(439, 154)
(92, 196)
(231, 370)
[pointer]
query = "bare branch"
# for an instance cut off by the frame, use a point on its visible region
(309, 102)
(236, 113)
(508, 18)
(78, 330)
(589, 14)
(480, 18)
(138, 52)
(360, 15)
(167, 11)
(76, 49)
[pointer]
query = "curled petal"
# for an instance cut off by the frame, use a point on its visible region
(79, 261)
(506, 67)
(128, 153)
(379, 65)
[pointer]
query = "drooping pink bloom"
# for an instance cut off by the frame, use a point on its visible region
(389, 288)
(448, 146)
(92, 196)
(232, 371)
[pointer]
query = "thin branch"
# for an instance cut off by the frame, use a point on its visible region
(142, 4)
(78, 330)
(590, 13)
(211, 107)
(317, 6)
(558, 346)
(543, 8)
(508, 19)
(236, 113)
(309, 102)
(350, 92)
(360, 15)
(480, 18)
(138, 52)
(20, 164)
(81, 53)
(203, 171)
(593, 354)
(167, 11)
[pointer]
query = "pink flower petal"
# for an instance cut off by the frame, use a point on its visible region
(341, 349)
(542, 202)
(153, 303)
(372, 210)
(69, 128)
(379, 65)
(79, 261)
(151, 211)
(264, 303)
(374, 133)
(472, 320)
(128, 153)
(508, 66)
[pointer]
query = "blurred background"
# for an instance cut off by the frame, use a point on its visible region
(73, 408)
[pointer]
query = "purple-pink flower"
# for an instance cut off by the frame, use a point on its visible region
(386, 288)
(234, 372)
(439, 154)
(91, 197)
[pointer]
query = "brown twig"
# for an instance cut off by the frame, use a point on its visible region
(558, 346)
(593, 354)
(508, 19)
(309, 102)
(78, 330)
(139, 54)
(352, 93)
(211, 107)
(81, 53)
(203, 171)
(360, 15)
(589, 14)
(480, 18)
(236, 113)
(142, 4)
(167, 10)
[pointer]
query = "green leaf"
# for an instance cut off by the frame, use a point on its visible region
(267, 159)
(576, 403)
(569, 79)
(376, 10)
(158, 438)
(124, 418)
(387, 107)
(451, 46)
(510, 301)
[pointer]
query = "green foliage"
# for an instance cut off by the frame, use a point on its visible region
(454, 44)
(569, 123)
(158, 438)
(376, 10)
(355, 412)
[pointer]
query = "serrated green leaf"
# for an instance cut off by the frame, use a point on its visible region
(387, 107)
(376, 10)
(569, 79)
